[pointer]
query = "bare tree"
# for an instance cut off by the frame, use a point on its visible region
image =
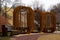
(56, 9)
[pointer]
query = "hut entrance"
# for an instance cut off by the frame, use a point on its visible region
(23, 20)
(49, 22)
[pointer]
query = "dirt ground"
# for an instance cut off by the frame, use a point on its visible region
(39, 36)
(50, 37)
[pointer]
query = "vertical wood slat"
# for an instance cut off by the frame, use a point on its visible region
(54, 20)
(16, 17)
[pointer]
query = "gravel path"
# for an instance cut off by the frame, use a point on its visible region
(28, 37)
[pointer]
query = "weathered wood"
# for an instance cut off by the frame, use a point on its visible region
(53, 21)
(30, 18)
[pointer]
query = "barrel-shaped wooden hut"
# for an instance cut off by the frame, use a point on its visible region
(49, 22)
(23, 18)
